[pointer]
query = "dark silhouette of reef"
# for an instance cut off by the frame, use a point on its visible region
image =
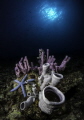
(72, 85)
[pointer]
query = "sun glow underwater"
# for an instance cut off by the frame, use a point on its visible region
(50, 12)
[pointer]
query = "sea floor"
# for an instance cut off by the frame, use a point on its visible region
(72, 85)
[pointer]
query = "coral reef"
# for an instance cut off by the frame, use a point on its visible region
(48, 76)
(72, 85)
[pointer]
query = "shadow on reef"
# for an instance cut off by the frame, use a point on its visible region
(70, 93)
(72, 85)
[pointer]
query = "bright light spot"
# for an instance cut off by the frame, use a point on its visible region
(50, 13)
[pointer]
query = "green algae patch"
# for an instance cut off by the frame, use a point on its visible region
(14, 114)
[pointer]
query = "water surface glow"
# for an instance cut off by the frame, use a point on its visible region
(50, 12)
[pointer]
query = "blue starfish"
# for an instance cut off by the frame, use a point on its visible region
(22, 84)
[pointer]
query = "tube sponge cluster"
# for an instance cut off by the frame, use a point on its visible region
(23, 67)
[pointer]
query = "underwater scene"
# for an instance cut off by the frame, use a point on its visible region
(47, 91)
(41, 60)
